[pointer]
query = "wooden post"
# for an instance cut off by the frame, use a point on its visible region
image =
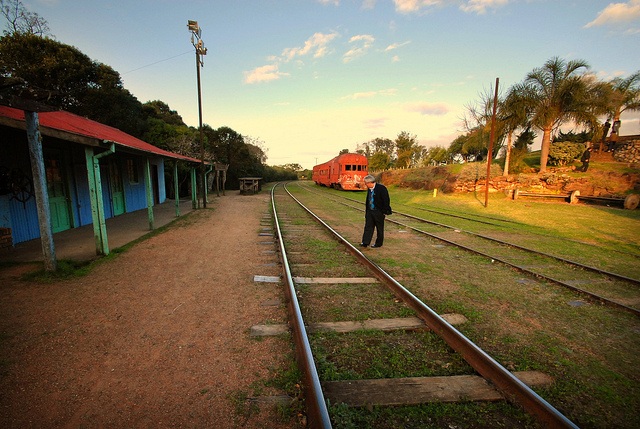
(490, 154)
(40, 188)
(95, 194)
(176, 187)
(149, 186)
(194, 190)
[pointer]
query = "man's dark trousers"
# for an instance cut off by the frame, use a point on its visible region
(373, 219)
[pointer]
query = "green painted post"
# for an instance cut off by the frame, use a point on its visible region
(194, 190)
(176, 187)
(147, 182)
(88, 153)
(34, 140)
(97, 207)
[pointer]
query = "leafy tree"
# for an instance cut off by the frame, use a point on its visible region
(76, 83)
(21, 21)
(343, 152)
(563, 152)
(379, 161)
(478, 123)
(435, 155)
(558, 93)
(514, 112)
(160, 110)
(228, 147)
(455, 148)
(571, 136)
(379, 144)
(257, 148)
(407, 148)
(624, 95)
(525, 140)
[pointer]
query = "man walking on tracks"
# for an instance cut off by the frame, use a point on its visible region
(377, 206)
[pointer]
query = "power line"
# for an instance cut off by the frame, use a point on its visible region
(157, 62)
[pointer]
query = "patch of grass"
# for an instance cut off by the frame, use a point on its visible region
(369, 354)
(66, 269)
(434, 415)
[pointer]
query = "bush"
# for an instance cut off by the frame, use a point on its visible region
(477, 171)
(561, 153)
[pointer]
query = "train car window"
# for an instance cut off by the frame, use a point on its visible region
(359, 168)
(347, 167)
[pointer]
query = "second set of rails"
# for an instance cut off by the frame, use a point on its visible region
(603, 285)
(479, 360)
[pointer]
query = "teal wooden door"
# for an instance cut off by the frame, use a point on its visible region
(117, 189)
(58, 190)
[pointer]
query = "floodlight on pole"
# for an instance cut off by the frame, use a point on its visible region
(198, 44)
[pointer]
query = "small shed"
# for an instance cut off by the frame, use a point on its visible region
(250, 185)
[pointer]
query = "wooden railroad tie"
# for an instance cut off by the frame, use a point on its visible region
(419, 390)
(387, 325)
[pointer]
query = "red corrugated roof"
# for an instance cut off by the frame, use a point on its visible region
(74, 124)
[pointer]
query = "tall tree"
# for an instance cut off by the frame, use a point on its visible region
(76, 83)
(559, 93)
(406, 148)
(624, 95)
(514, 113)
(478, 124)
(21, 21)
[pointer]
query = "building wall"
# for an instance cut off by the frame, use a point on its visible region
(22, 218)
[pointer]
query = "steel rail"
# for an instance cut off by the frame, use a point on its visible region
(527, 249)
(500, 226)
(507, 383)
(316, 404)
(506, 243)
(518, 267)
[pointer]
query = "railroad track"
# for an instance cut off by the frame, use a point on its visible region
(605, 286)
(507, 383)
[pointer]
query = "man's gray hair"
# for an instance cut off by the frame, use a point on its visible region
(369, 179)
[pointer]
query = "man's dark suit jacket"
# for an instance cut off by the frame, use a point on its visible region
(380, 199)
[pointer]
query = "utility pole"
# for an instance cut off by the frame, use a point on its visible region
(198, 44)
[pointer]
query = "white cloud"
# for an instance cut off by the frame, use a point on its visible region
(316, 44)
(432, 109)
(395, 59)
(375, 123)
(470, 6)
(617, 13)
(368, 4)
(334, 2)
(263, 74)
(396, 46)
(408, 6)
(365, 41)
(481, 6)
(369, 94)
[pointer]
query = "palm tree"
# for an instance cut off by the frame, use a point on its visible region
(559, 94)
(625, 95)
(514, 113)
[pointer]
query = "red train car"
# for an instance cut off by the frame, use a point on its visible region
(345, 171)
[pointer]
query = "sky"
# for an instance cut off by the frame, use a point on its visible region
(309, 78)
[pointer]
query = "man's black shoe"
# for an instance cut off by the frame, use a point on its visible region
(364, 245)
(375, 246)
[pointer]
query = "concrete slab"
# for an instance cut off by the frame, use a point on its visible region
(79, 243)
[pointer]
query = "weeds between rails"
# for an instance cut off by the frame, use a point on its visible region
(592, 351)
(476, 356)
(605, 286)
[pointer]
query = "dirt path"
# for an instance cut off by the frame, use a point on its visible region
(158, 337)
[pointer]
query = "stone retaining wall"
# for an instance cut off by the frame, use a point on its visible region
(628, 151)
